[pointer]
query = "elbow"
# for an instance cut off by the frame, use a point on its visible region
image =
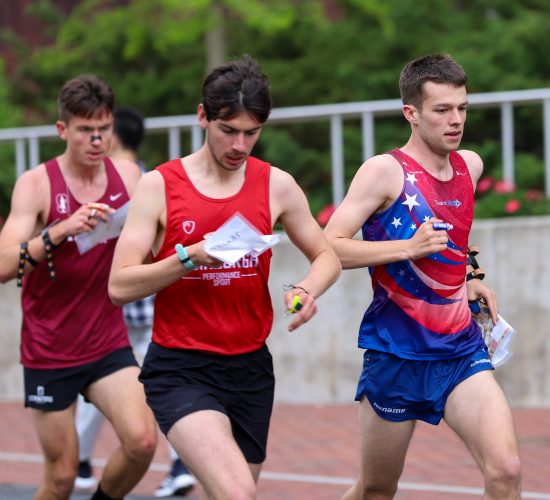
(338, 269)
(5, 276)
(115, 295)
(336, 266)
(334, 243)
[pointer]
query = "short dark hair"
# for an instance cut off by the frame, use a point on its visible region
(128, 127)
(235, 87)
(85, 96)
(438, 68)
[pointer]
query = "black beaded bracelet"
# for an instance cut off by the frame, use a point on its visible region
(50, 247)
(22, 259)
(24, 256)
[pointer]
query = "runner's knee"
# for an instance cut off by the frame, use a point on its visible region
(505, 475)
(141, 445)
(62, 484)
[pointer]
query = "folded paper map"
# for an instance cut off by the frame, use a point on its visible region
(497, 337)
(103, 230)
(237, 238)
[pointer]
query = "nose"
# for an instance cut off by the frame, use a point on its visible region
(239, 142)
(457, 116)
(95, 137)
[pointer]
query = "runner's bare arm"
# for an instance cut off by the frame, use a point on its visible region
(129, 172)
(23, 224)
(376, 185)
(290, 207)
(29, 212)
(132, 275)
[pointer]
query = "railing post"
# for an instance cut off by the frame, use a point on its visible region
(196, 138)
(337, 153)
(507, 138)
(20, 156)
(34, 151)
(174, 142)
(367, 128)
(546, 144)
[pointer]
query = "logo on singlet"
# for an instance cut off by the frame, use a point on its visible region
(449, 203)
(62, 203)
(188, 226)
(40, 397)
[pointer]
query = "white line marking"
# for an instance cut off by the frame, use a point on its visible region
(301, 478)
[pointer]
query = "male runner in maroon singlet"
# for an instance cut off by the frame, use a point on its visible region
(73, 338)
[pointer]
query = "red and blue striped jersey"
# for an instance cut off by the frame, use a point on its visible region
(420, 307)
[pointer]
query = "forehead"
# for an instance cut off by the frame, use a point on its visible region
(443, 93)
(99, 119)
(240, 121)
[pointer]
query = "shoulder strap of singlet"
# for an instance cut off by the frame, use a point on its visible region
(396, 153)
(399, 156)
(457, 160)
(57, 182)
(59, 193)
(256, 162)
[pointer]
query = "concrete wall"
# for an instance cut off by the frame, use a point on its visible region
(320, 363)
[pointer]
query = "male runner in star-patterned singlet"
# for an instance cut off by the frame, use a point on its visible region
(425, 358)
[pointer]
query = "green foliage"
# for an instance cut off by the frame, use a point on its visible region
(497, 198)
(10, 116)
(154, 55)
(517, 203)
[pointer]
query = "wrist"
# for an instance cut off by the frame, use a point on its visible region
(56, 234)
(184, 258)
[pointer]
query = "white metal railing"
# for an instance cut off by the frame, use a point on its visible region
(27, 139)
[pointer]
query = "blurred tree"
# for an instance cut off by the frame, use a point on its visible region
(10, 116)
(155, 54)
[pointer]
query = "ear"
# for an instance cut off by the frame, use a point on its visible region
(61, 129)
(410, 113)
(201, 114)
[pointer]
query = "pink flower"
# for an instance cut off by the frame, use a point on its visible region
(484, 184)
(325, 214)
(503, 187)
(533, 195)
(512, 206)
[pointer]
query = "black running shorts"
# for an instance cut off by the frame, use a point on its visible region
(57, 389)
(179, 382)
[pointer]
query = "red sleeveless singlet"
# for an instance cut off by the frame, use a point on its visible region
(226, 310)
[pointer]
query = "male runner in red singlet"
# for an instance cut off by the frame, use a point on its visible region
(425, 358)
(208, 374)
(73, 338)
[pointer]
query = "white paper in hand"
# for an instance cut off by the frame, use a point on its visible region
(497, 337)
(501, 335)
(236, 238)
(103, 230)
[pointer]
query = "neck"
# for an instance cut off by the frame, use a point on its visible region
(123, 154)
(438, 164)
(76, 170)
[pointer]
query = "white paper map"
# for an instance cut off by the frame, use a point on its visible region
(497, 337)
(103, 230)
(236, 238)
(501, 335)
